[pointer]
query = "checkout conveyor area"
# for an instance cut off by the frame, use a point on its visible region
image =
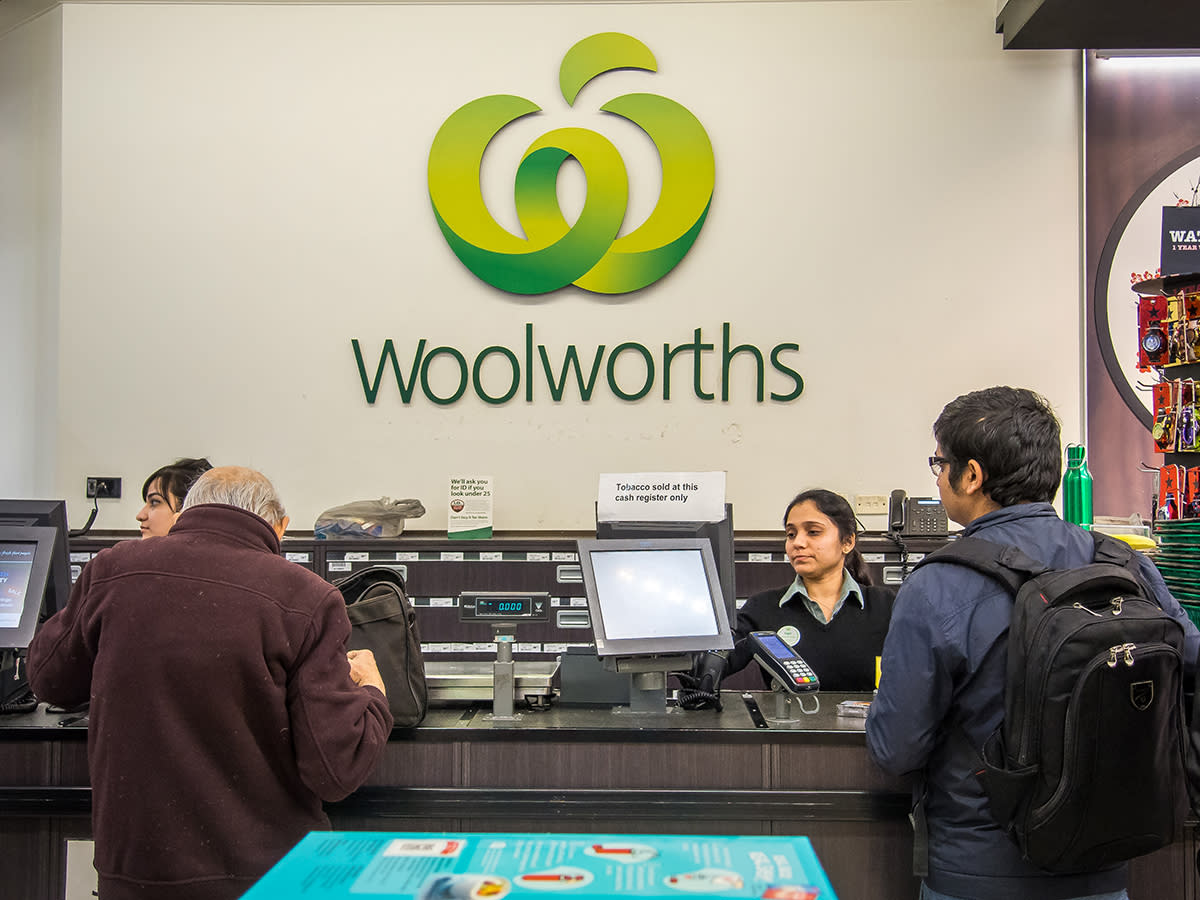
(564, 769)
(559, 769)
(528, 731)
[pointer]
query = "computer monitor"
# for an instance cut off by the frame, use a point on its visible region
(26, 555)
(718, 534)
(45, 514)
(653, 603)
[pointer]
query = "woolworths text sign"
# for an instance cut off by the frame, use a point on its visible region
(532, 370)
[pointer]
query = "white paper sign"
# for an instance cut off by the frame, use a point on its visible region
(661, 497)
(470, 507)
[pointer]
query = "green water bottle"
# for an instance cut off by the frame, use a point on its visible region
(1077, 487)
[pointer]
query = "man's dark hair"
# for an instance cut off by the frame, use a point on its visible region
(175, 480)
(1014, 436)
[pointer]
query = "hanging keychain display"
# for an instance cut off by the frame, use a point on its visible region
(1163, 431)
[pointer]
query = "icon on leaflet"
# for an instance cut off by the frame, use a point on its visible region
(464, 886)
(441, 848)
(561, 878)
(705, 881)
(626, 853)
(790, 892)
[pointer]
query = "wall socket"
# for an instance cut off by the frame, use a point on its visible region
(102, 488)
(871, 504)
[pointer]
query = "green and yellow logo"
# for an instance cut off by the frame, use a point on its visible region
(554, 253)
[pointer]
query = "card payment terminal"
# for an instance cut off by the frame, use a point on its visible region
(784, 664)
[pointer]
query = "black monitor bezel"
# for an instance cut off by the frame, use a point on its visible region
(43, 539)
(654, 646)
(45, 514)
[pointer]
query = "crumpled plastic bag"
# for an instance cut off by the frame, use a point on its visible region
(382, 518)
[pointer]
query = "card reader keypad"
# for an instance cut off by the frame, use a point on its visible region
(799, 671)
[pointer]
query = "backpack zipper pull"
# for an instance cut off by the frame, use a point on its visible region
(1091, 612)
(1116, 605)
(1129, 648)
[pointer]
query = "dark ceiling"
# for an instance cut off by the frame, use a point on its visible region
(1025, 24)
(1100, 24)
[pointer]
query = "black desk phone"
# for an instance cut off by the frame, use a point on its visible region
(783, 663)
(917, 516)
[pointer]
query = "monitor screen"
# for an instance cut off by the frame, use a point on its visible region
(656, 596)
(25, 555)
(718, 534)
(45, 514)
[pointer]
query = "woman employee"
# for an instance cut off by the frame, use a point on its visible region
(164, 491)
(830, 614)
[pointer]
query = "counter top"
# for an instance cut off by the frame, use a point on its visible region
(745, 717)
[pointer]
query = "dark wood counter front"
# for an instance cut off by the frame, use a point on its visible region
(564, 770)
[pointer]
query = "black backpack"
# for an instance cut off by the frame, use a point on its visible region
(1087, 769)
(382, 621)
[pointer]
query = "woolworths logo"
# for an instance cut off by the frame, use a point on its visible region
(554, 253)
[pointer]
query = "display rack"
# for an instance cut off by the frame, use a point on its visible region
(1169, 345)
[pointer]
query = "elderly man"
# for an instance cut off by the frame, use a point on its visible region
(224, 706)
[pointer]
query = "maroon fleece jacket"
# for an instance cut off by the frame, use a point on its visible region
(222, 708)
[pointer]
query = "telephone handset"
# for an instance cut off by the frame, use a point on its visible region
(783, 663)
(896, 511)
(916, 516)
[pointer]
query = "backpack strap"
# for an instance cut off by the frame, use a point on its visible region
(1005, 564)
(920, 826)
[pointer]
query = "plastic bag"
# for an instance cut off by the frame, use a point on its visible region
(382, 518)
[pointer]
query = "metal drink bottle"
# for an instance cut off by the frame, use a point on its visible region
(1077, 487)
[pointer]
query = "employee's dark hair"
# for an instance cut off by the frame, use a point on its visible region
(838, 509)
(1014, 436)
(175, 480)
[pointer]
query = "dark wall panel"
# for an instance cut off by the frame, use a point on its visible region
(1140, 117)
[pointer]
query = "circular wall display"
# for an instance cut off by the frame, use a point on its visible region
(1130, 255)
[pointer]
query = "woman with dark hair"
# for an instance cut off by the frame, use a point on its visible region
(164, 491)
(830, 614)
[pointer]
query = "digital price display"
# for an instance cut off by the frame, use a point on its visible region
(493, 607)
(475, 606)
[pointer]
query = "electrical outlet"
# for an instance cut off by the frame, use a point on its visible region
(870, 504)
(103, 488)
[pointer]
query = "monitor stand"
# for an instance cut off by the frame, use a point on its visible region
(648, 687)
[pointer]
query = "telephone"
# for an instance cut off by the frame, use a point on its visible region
(896, 511)
(916, 516)
(783, 663)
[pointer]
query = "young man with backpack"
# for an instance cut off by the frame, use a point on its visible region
(945, 660)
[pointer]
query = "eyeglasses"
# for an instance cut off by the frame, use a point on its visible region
(937, 464)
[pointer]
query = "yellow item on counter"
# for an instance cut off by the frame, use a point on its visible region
(1138, 541)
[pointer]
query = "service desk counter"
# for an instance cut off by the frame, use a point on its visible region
(565, 770)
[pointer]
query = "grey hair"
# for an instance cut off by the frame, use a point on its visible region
(240, 487)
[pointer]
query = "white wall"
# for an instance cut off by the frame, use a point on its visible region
(244, 191)
(30, 85)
